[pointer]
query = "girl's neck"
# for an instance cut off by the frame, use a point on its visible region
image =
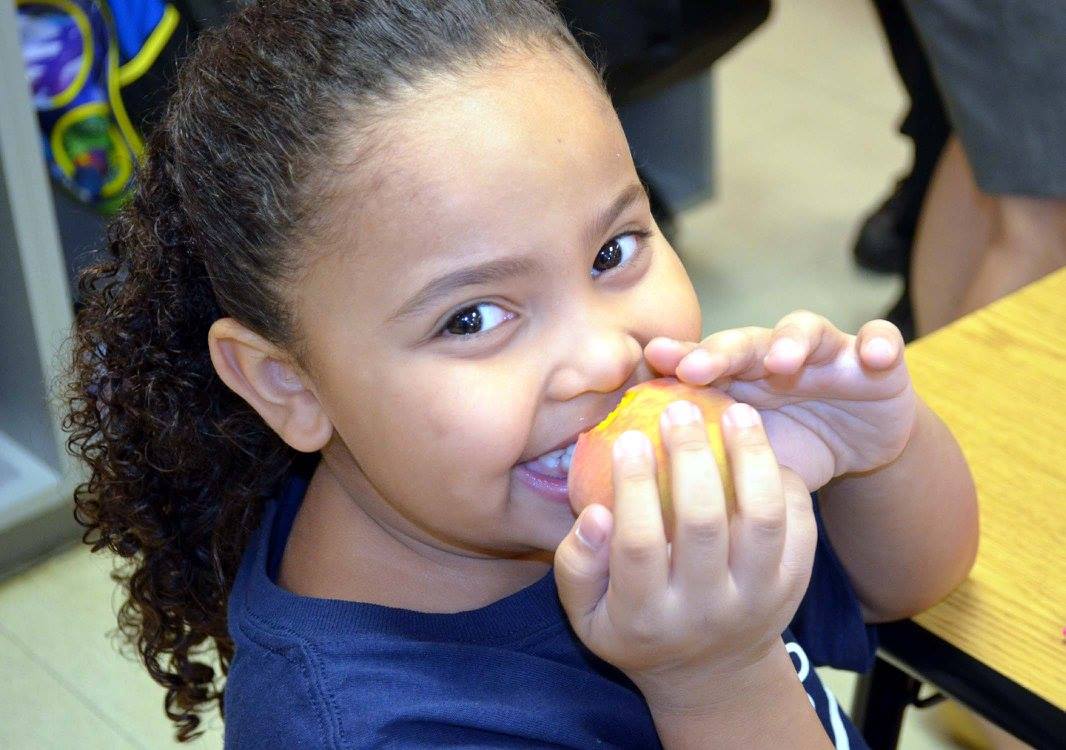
(336, 550)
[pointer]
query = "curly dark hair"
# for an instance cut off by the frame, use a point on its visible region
(228, 188)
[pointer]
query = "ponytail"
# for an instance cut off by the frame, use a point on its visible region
(180, 465)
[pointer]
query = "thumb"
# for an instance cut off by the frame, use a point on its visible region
(581, 573)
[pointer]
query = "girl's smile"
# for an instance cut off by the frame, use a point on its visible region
(547, 474)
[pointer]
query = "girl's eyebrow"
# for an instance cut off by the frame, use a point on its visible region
(485, 273)
(602, 224)
(510, 267)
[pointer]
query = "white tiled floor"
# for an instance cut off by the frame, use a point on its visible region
(807, 110)
(64, 682)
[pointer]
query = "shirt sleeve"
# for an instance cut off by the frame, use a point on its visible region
(829, 624)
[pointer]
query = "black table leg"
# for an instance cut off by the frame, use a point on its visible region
(881, 697)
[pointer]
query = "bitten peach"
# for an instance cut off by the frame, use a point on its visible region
(590, 479)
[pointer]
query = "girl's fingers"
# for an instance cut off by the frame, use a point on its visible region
(700, 548)
(800, 338)
(664, 354)
(758, 528)
(736, 353)
(581, 566)
(879, 345)
(801, 537)
(639, 560)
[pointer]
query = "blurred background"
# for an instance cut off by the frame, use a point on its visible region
(769, 136)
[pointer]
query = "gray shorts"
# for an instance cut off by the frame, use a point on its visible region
(1001, 69)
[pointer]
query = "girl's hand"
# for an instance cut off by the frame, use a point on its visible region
(680, 619)
(832, 403)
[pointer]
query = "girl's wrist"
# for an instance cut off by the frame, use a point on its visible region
(709, 690)
(761, 705)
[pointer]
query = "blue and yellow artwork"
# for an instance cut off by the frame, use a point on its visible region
(79, 55)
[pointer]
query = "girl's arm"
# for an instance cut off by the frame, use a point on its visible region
(907, 532)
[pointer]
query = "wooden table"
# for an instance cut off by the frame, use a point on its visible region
(998, 379)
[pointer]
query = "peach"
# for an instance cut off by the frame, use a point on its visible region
(591, 476)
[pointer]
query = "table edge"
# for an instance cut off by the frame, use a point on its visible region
(990, 693)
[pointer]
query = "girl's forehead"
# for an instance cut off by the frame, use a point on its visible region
(516, 164)
(508, 136)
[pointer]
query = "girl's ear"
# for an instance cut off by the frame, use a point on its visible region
(262, 375)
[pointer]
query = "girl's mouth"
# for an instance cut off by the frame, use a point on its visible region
(553, 464)
(547, 474)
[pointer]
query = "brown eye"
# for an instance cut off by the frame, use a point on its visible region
(610, 255)
(471, 321)
(465, 323)
(618, 251)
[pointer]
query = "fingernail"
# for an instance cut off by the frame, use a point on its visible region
(681, 413)
(590, 533)
(632, 444)
(786, 348)
(879, 347)
(699, 358)
(742, 416)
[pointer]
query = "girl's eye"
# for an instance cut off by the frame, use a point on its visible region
(470, 321)
(613, 254)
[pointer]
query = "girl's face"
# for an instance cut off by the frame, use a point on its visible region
(484, 296)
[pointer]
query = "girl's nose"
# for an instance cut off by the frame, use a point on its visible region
(598, 358)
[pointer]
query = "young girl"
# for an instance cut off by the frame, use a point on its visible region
(386, 255)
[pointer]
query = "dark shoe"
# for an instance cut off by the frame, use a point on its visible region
(902, 316)
(885, 237)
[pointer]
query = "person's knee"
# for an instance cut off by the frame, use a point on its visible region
(1033, 229)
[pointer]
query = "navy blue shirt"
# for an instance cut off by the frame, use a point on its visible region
(326, 673)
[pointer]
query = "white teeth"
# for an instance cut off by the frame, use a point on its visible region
(557, 459)
(568, 456)
(552, 459)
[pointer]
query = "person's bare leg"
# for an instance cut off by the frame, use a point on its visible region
(954, 229)
(1000, 739)
(1028, 242)
(962, 728)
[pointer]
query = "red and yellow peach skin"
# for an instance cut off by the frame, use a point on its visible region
(591, 477)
